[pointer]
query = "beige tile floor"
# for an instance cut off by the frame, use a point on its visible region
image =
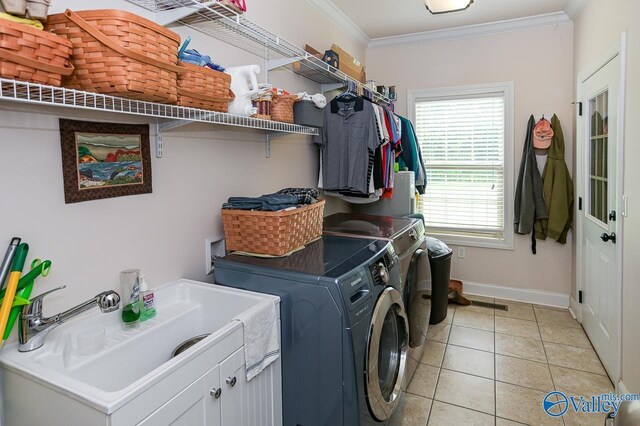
(489, 367)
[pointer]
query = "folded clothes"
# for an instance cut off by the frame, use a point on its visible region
(284, 199)
(194, 57)
(31, 22)
(269, 202)
(305, 195)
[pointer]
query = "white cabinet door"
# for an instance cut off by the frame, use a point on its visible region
(232, 380)
(213, 397)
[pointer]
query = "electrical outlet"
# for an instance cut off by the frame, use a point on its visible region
(462, 252)
(213, 248)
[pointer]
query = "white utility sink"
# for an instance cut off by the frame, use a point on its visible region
(131, 361)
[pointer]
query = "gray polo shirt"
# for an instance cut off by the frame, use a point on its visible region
(349, 135)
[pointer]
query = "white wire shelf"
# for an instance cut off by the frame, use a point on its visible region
(222, 23)
(32, 93)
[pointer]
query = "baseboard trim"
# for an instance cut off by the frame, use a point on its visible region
(574, 309)
(537, 297)
(621, 388)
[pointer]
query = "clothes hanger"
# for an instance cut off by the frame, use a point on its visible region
(349, 94)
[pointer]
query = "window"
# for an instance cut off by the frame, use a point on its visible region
(466, 135)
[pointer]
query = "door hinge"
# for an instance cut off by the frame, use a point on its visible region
(579, 104)
(580, 296)
(579, 203)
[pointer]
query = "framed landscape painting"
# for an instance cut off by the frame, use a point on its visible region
(104, 160)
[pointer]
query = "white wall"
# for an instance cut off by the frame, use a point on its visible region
(597, 28)
(162, 233)
(539, 62)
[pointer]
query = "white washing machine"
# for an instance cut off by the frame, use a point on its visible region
(408, 239)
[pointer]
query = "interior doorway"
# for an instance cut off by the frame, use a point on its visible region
(599, 184)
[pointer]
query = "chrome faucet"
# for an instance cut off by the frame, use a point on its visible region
(33, 328)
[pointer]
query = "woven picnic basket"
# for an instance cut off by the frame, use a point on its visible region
(29, 54)
(282, 108)
(202, 87)
(272, 233)
(119, 53)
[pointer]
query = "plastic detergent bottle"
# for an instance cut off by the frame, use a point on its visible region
(147, 301)
(244, 84)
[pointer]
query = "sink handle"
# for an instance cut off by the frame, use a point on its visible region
(35, 305)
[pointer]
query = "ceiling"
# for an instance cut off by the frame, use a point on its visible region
(386, 18)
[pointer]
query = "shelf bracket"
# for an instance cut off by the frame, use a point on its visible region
(267, 145)
(268, 137)
(277, 63)
(161, 127)
(167, 17)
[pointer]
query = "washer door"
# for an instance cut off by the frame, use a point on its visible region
(418, 307)
(386, 356)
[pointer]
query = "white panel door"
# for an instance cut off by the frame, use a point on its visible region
(599, 214)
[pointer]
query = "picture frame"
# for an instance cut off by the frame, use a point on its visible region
(104, 160)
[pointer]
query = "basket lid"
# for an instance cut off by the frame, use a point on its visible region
(28, 29)
(123, 15)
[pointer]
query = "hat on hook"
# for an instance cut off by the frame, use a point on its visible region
(542, 134)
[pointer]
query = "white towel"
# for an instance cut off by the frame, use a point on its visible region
(318, 99)
(261, 336)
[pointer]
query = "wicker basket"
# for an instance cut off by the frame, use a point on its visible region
(121, 54)
(202, 87)
(29, 54)
(263, 104)
(282, 108)
(272, 233)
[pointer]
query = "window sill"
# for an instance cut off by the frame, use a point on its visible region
(458, 240)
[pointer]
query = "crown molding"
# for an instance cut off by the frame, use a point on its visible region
(330, 11)
(574, 7)
(549, 19)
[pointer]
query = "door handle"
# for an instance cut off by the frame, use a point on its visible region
(608, 237)
(231, 381)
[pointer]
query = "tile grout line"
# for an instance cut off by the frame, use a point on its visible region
(553, 382)
(464, 408)
(435, 388)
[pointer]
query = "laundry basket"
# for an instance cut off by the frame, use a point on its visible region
(272, 233)
(119, 53)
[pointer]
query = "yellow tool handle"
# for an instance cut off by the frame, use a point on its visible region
(14, 277)
(12, 285)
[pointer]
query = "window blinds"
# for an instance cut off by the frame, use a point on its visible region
(462, 142)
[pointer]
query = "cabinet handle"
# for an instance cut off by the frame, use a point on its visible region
(231, 381)
(215, 392)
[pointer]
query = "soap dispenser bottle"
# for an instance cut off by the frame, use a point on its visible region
(130, 282)
(147, 300)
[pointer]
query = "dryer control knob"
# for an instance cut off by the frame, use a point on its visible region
(383, 272)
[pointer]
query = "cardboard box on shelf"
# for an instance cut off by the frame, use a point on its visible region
(304, 70)
(313, 51)
(349, 65)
